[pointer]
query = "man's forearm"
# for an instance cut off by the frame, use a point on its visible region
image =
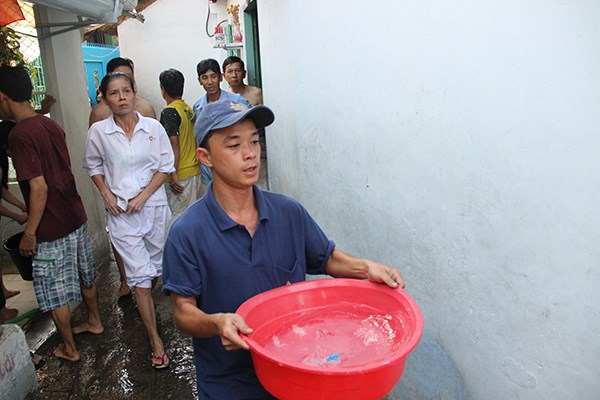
(191, 320)
(344, 265)
(176, 156)
(7, 212)
(37, 203)
(12, 199)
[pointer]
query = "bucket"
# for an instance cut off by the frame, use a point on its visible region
(22, 263)
(331, 339)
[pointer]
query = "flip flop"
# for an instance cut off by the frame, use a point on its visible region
(160, 362)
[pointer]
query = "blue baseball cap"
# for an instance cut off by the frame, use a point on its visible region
(225, 113)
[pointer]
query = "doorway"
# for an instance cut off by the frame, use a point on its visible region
(254, 76)
(252, 44)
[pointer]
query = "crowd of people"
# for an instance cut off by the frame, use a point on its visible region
(182, 204)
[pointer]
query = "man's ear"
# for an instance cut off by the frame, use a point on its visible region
(203, 156)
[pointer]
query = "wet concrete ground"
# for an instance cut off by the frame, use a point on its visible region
(116, 364)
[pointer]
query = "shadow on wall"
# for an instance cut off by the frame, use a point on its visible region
(429, 374)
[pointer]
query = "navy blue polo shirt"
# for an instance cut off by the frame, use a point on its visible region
(211, 257)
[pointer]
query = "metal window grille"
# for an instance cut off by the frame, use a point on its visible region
(31, 51)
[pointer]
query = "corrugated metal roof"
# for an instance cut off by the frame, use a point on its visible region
(111, 29)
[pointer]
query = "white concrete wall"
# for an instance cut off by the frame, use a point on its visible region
(457, 141)
(172, 36)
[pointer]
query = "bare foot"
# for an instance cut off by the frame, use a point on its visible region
(61, 352)
(124, 290)
(87, 328)
(37, 360)
(6, 314)
(11, 293)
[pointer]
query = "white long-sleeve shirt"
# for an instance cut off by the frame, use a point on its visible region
(128, 166)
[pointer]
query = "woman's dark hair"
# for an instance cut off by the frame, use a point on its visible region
(172, 81)
(111, 77)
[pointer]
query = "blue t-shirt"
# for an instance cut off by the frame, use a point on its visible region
(203, 101)
(205, 172)
(211, 257)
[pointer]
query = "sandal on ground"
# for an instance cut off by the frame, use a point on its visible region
(160, 362)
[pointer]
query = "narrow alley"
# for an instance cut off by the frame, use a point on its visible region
(116, 364)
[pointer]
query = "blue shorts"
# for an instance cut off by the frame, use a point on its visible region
(61, 268)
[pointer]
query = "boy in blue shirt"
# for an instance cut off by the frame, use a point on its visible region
(210, 78)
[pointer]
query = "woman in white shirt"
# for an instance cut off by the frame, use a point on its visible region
(128, 157)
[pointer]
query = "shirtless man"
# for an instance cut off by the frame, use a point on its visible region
(100, 112)
(235, 73)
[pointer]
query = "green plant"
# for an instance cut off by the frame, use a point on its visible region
(10, 53)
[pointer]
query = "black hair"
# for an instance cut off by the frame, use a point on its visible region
(118, 62)
(5, 127)
(206, 65)
(112, 76)
(232, 60)
(204, 143)
(172, 81)
(16, 83)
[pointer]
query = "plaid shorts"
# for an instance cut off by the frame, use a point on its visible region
(61, 267)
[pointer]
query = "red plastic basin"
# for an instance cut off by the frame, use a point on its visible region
(331, 338)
